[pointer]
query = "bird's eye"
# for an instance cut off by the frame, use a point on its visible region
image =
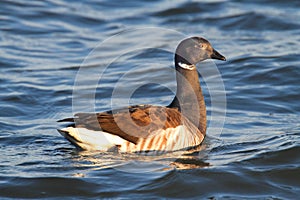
(200, 46)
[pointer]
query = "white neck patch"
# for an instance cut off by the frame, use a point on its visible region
(186, 66)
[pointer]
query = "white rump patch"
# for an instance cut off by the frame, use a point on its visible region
(91, 140)
(186, 66)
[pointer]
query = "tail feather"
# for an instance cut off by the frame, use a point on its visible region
(71, 119)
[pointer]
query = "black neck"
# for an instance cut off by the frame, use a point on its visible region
(189, 98)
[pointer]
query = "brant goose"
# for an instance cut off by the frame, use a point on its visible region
(149, 128)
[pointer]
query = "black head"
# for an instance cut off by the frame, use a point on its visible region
(195, 49)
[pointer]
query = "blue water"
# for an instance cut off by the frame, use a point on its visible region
(45, 44)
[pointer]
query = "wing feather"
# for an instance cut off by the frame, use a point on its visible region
(132, 123)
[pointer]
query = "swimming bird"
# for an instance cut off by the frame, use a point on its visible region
(149, 128)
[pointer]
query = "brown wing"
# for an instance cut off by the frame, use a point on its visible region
(132, 123)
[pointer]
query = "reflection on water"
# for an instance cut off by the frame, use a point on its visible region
(139, 163)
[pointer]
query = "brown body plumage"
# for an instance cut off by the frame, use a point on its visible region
(145, 128)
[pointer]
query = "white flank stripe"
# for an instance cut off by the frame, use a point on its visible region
(170, 139)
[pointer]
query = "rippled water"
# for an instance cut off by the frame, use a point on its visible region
(43, 43)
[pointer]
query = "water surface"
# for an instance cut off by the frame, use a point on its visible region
(43, 44)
